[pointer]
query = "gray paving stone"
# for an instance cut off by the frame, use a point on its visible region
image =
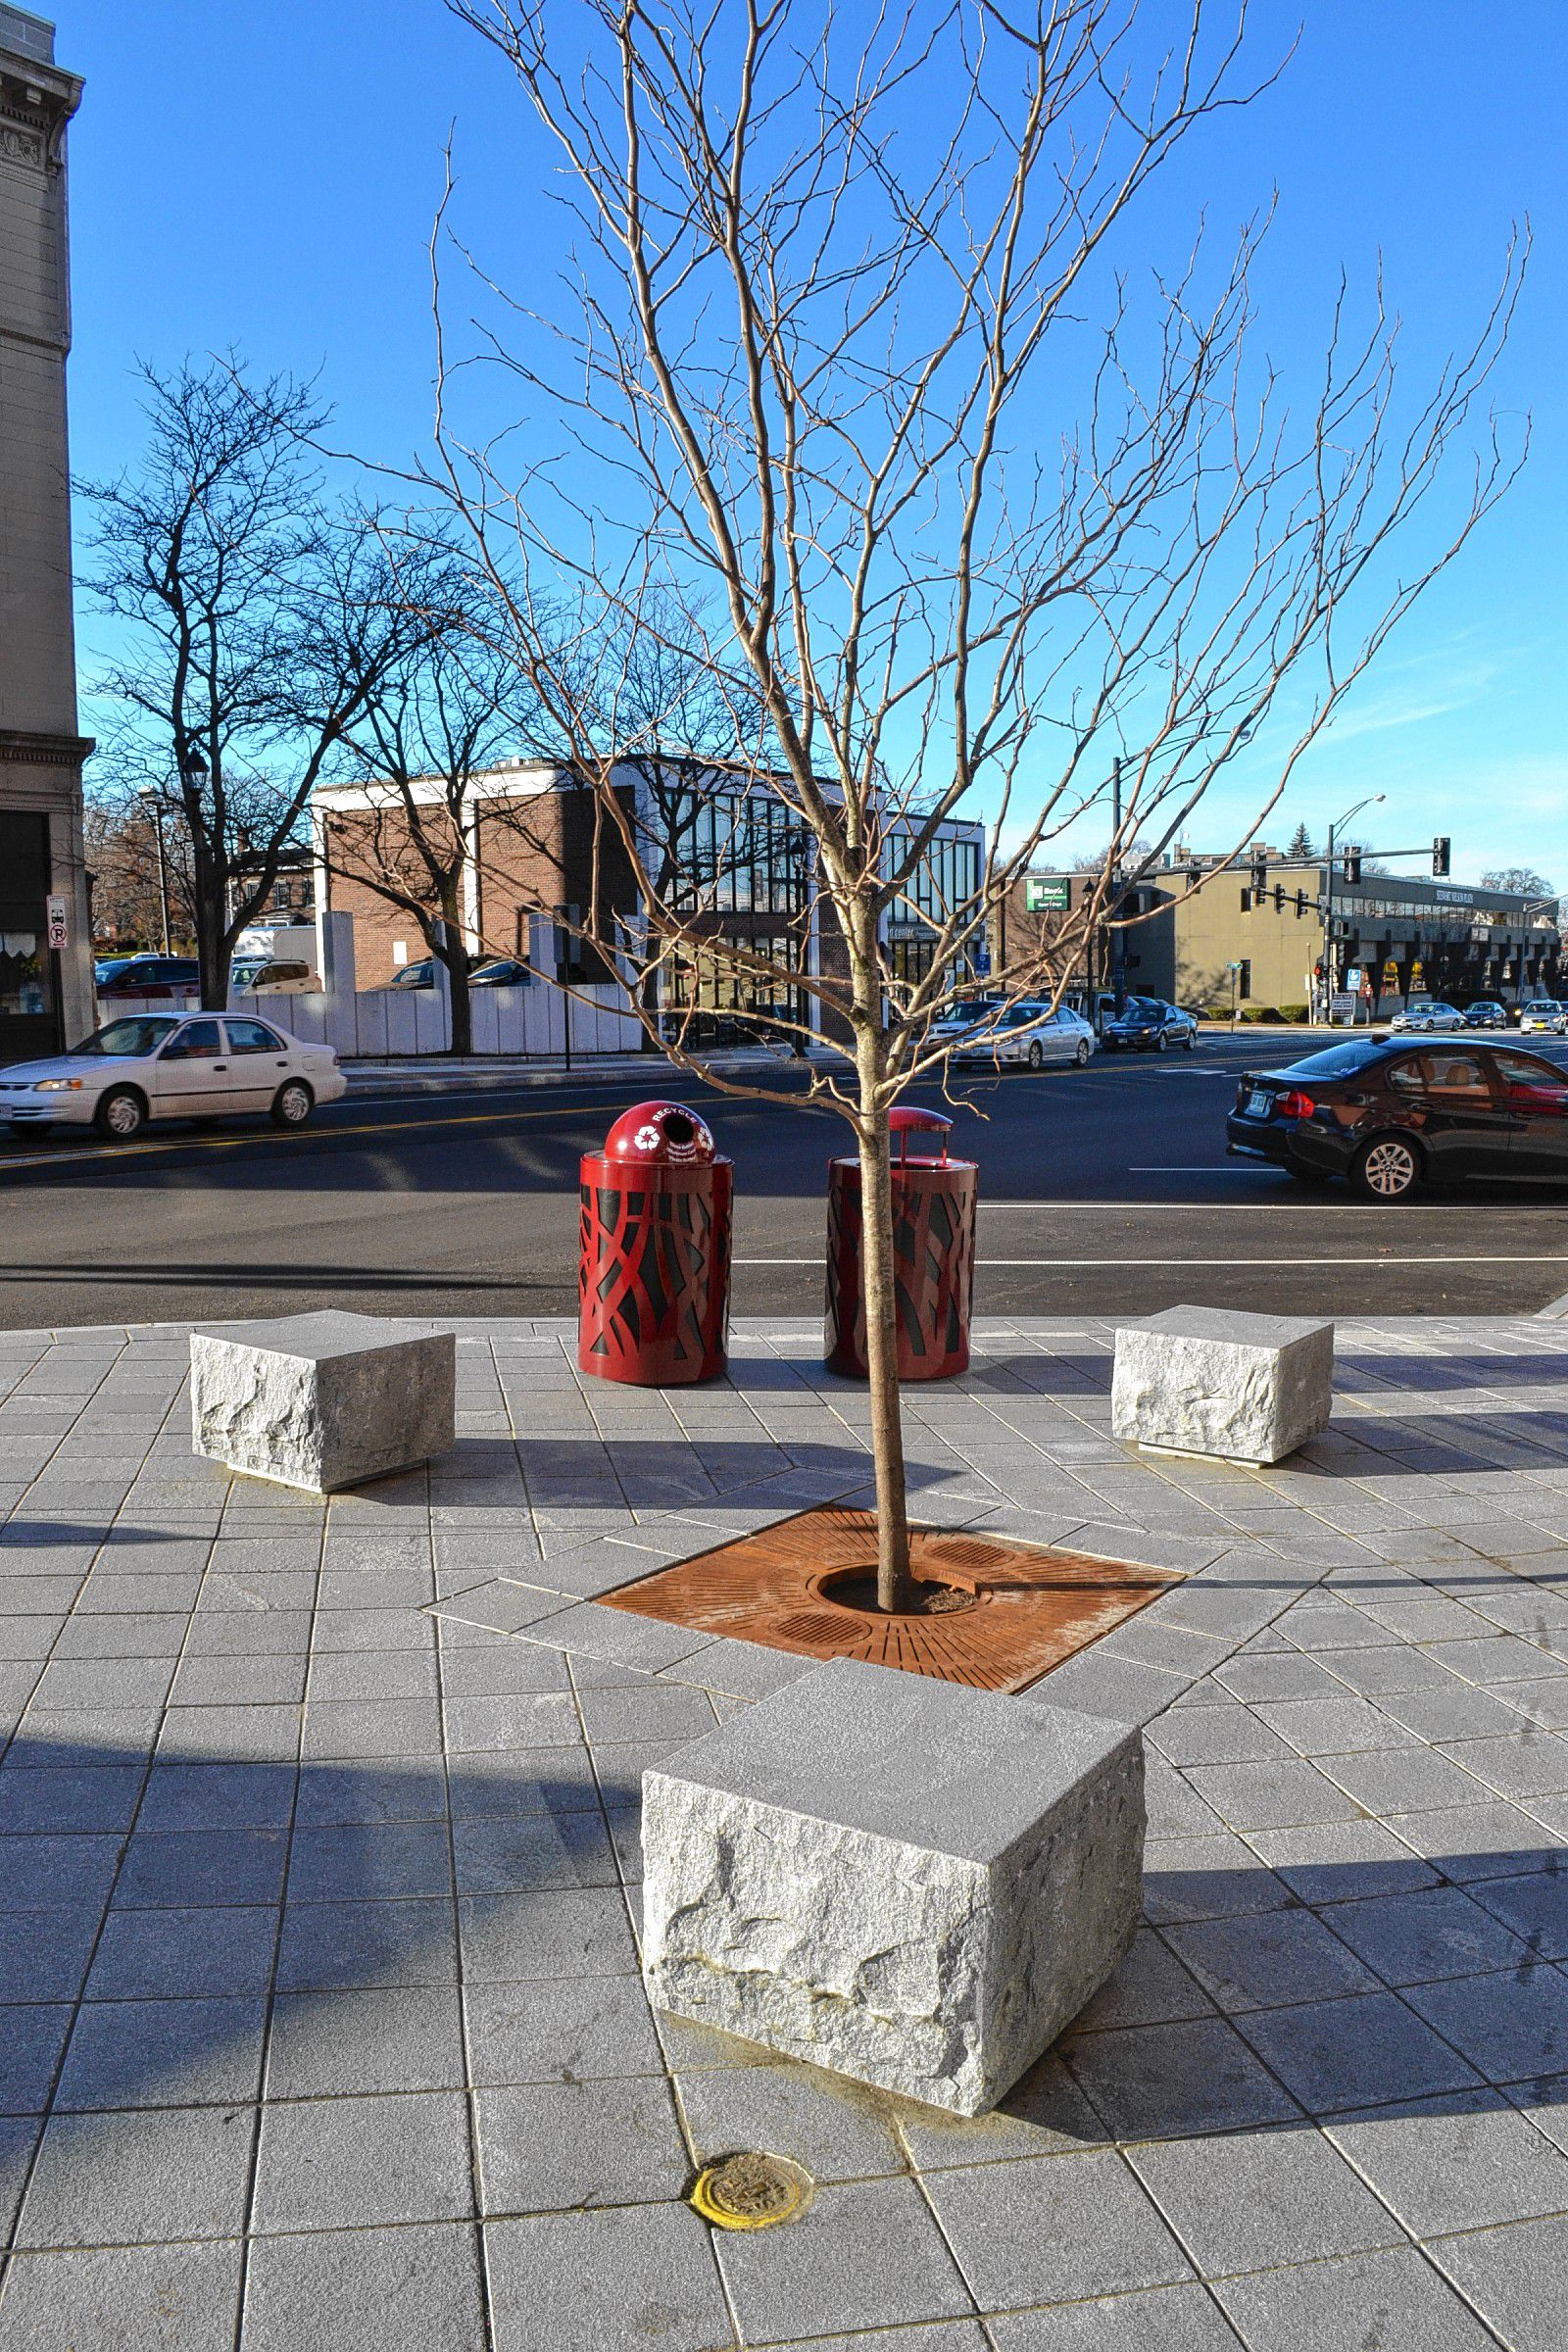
(1340, 1861)
(1270, 1796)
(1413, 1779)
(834, 2129)
(32, 2035)
(158, 1954)
(1267, 1962)
(42, 1873)
(44, 1954)
(1517, 2277)
(217, 1796)
(378, 1942)
(1510, 2026)
(1359, 2052)
(1046, 2114)
(943, 2335)
(1207, 1877)
(1150, 1987)
(1462, 2162)
(407, 2038)
(635, 2276)
(1054, 2228)
(353, 1860)
(141, 2177)
(339, 1795)
(1490, 1839)
(866, 2255)
(1390, 2300)
(357, 2162)
(570, 2030)
(512, 1719)
(157, 2299)
(1412, 1939)
(1175, 2079)
(533, 1850)
(1253, 2201)
(365, 2290)
(553, 2148)
(164, 2053)
(185, 1868)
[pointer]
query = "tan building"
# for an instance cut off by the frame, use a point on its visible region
(45, 965)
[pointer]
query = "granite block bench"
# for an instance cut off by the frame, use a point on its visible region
(1213, 1381)
(323, 1401)
(906, 1881)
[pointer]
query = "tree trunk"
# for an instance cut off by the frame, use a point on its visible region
(895, 1586)
(212, 935)
(451, 948)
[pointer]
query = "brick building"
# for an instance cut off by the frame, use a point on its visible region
(46, 991)
(733, 862)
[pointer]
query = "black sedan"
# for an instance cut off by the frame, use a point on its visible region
(1390, 1113)
(1485, 1013)
(1148, 1025)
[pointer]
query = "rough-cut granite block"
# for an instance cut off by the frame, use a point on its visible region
(323, 1401)
(912, 1883)
(1208, 1380)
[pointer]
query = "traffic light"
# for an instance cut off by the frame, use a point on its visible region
(1439, 856)
(1353, 866)
(1279, 897)
(1259, 877)
(1301, 905)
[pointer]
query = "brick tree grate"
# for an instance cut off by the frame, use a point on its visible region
(1000, 1613)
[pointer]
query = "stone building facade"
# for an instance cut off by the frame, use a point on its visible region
(45, 991)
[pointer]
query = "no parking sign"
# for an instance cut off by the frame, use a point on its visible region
(55, 921)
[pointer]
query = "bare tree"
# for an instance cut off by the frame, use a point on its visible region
(254, 619)
(856, 366)
(120, 834)
(1520, 881)
(433, 721)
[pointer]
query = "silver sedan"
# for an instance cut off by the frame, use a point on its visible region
(1028, 1036)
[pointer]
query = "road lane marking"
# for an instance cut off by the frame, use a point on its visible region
(109, 1154)
(1469, 1258)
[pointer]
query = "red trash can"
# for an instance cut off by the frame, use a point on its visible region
(933, 1247)
(653, 1261)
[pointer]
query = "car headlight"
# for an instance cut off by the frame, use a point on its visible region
(57, 1086)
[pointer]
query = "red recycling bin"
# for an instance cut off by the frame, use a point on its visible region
(653, 1261)
(933, 1245)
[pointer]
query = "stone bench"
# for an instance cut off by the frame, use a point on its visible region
(908, 1881)
(1212, 1381)
(325, 1401)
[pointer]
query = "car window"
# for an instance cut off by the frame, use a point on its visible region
(253, 1037)
(198, 1041)
(1339, 1062)
(137, 1034)
(287, 971)
(1522, 1069)
(1455, 1077)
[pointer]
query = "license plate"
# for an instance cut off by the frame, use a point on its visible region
(1258, 1103)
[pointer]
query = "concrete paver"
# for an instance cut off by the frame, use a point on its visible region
(318, 1875)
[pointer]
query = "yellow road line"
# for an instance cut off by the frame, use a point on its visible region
(115, 1152)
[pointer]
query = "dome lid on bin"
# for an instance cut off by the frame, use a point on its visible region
(660, 1135)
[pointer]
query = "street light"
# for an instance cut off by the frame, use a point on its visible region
(1328, 958)
(152, 801)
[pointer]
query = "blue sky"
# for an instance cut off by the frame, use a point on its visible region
(265, 176)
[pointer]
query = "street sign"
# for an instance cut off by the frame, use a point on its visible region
(55, 921)
(982, 962)
(1352, 979)
(1047, 894)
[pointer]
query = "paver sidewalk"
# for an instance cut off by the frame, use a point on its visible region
(322, 2019)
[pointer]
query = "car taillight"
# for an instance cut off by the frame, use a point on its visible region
(1293, 1104)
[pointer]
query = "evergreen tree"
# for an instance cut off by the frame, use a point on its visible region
(1299, 847)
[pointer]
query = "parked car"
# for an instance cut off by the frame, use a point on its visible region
(1027, 1036)
(155, 1065)
(1428, 1012)
(1148, 1025)
(1540, 1013)
(961, 1013)
(1390, 1117)
(106, 966)
(415, 975)
(1485, 1013)
(501, 971)
(283, 977)
(152, 977)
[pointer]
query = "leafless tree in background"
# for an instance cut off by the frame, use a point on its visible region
(861, 358)
(254, 613)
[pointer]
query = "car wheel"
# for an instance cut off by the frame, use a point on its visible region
(120, 1114)
(1161, 1042)
(293, 1104)
(1081, 1057)
(1190, 1039)
(1387, 1168)
(1037, 1054)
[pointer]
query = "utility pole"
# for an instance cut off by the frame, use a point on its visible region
(1118, 943)
(1328, 936)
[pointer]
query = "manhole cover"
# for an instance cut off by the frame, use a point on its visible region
(751, 2191)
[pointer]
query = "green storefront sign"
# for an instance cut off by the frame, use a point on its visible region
(1047, 894)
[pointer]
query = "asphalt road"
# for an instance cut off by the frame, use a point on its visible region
(1104, 1190)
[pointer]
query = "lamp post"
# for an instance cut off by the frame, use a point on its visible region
(1330, 958)
(1118, 944)
(148, 796)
